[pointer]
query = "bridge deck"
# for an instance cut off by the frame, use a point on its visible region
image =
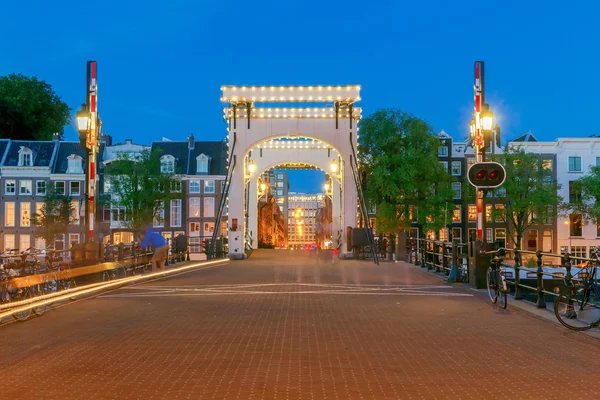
(282, 326)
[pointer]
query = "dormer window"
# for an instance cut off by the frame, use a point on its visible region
(202, 164)
(75, 165)
(167, 164)
(25, 157)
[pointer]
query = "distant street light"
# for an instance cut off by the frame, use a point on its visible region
(251, 167)
(334, 166)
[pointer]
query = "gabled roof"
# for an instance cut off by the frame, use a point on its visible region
(43, 151)
(65, 150)
(179, 150)
(527, 137)
(217, 151)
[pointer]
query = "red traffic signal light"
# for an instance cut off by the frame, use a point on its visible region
(486, 175)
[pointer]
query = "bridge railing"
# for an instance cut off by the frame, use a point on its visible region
(540, 281)
(440, 256)
(543, 275)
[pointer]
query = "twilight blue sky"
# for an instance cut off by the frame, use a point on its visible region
(161, 64)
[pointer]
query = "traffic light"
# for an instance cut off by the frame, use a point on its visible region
(486, 175)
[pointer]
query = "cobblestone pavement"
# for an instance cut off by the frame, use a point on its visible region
(281, 326)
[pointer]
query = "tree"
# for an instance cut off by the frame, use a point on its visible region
(404, 179)
(30, 109)
(55, 215)
(587, 198)
(529, 194)
(138, 190)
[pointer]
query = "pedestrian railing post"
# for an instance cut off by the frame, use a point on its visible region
(518, 289)
(540, 303)
(422, 248)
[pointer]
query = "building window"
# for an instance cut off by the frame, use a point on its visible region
(547, 164)
(488, 212)
(443, 151)
(456, 168)
(167, 164)
(75, 188)
(25, 157)
(40, 243)
(209, 228)
(579, 251)
(9, 213)
(597, 161)
(195, 245)
(59, 187)
(280, 184)
(59, 241)
(202, 164)
(74, 212)
(194, 228)
(75, 164)
(25, 187)
(500, 192)
(443, 234)
(501, 236)
(106, 215)
(209, 207)
(73, 239)
(175, 212)
(444, 165)
(194, 207)
(9, 242)
(575, 224)
(489, 235)
(209, 186)
(176, 186)
(456, 214)
(24, 242)
(457, 234)
(574, 192)
(279, 176)
(26, 214)
(194, 186)
(574, 164)
(499, 212)
(223, 228)
(10, 187)
(597, 230)
(279, 192)
(456, 186)
(470, 162)
(548, 179)
(159, 216)
(40, 188)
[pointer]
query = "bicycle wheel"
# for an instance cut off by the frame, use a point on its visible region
(503, 290)
(578, 308)
(491, 285)
(37, 290)
(23, 294)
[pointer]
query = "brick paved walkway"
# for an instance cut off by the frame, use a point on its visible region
(279, 326)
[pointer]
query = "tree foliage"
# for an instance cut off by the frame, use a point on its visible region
(587, 203)
(404, 179)
(30, 109)
(531, 195)
(55, 215)
(139, 188)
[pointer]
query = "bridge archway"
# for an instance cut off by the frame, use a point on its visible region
(259, 138)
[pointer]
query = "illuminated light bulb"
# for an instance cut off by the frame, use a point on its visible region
(263, 88)
(272, 89)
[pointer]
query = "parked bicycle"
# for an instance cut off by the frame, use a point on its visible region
(496, 279)
(578, 305)
(14, 288)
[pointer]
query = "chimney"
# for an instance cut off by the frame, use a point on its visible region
(56, 135)
(127, 141)
(191, 141)
(106, 139)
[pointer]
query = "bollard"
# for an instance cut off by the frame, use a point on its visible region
(422, 248)
(518, 289)
(540, 303)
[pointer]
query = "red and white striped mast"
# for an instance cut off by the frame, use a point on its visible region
(92, 144)
(478, 144)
